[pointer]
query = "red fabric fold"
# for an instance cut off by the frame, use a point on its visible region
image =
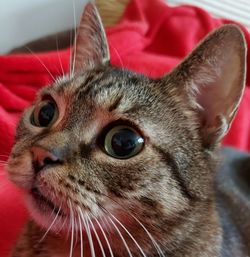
(151, 38)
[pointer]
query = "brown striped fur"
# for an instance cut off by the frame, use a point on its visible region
(168, 187)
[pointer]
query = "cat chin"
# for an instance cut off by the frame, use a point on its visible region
(46, 216)
(51, 219)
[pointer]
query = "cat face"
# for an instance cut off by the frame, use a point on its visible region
(106, 143)
(104, 139)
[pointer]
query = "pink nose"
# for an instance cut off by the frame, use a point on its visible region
(43, 158)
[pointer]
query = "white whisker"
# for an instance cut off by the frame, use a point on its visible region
(120, 59)
(129, 234)
(62, 227)
(35, 55)
(122, 238)
(81, 239)
(70, 53)
(59, 58)
(97, 236)
(51, 225)
(72, 229)
(92, 249)
(74, 57)
(106, 223)
(157, 247)
(105, 236)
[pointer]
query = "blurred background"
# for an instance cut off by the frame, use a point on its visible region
(22, 21)
(238, 10)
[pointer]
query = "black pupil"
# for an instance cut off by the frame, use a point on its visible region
(46, 114)
(124, 142)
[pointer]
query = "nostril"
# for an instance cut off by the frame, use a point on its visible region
(44, 159)
(48, 161)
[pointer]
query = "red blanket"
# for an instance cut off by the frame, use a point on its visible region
(151, 38)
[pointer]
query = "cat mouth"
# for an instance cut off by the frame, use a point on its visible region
(44, 203)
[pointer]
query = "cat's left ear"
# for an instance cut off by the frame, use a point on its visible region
(212, 80)
(90, 48)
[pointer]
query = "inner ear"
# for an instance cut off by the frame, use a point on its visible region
(90, 48)
(213, 78)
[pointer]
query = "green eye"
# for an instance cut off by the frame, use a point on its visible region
(123, 142)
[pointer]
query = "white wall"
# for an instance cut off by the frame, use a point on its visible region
(24, 20)
(237, 10)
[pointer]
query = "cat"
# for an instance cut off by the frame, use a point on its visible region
(113, 163)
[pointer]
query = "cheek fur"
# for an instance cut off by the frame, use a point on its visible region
(20, 170)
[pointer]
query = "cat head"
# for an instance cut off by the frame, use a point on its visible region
(109, 143)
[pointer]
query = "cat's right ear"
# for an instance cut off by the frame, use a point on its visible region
(90, 48)
(211, 79)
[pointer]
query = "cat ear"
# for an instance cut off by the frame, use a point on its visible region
(90, 48)
(214, 79)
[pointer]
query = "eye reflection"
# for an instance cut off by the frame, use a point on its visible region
(123, 142)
